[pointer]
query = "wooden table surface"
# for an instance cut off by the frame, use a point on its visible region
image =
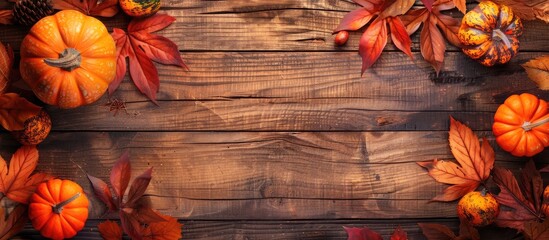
(273, 133)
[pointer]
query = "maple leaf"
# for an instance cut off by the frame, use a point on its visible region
(435, 231)
(14, 223)
(536, 231)
(524, 199)
(135, 211)
(374, 38)
(528, 9)
(15, 110)
(102, 8)
(475, 162)
(110, 230)
(354, 233)
(142, 48)
(435, 26)
(6, 17)
(168, 229)
(18, 183)
(538, 71)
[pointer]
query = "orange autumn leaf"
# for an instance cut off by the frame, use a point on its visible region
(110, 230)
(538, 71)
(165, 230)
(17, 181)
(528, 9)
(15, 110)
(102, 8)
(6, 63)
(474, 163)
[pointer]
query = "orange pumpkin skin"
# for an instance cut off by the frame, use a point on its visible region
(58, 209)
(489, 33)
(68, 59)
(478, 208)
(521, 125)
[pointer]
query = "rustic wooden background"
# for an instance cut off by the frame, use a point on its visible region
(273, 133)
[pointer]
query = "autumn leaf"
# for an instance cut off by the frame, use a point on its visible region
(536, 231)
(110, 230)
(374, 38)
(120, 175)
(6, 17)
(102, 191)
(475, 162)
(102, 8)
(142, 48)
(518, 197)
(17, 182)
(435, 231)
(428, 4)
(354, 233)
(461, 5)
(436, 27)
(538, 71)
(6, 63)
(528, 9)
(399, 234)
(168, 229)
(15, 110)
(14, 223)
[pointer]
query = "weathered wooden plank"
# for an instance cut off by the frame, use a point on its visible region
(267, 25)
(260, 230)
(394, 82)
(264, 175)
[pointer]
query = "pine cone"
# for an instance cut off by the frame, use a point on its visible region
(28, 12)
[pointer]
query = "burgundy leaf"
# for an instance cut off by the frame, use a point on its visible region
(131, 225)
(434, 231)
(532, 183)
(148, 215)
(120, 175)
(151, 24)
(428, 4)
(354, 20)
(372, 43)
(354, 233)
(534, 230)
(122, 45)
(101, 190)
(139, 185)
(159, 49)
(466, 231)
(544, 169)
(399, 36)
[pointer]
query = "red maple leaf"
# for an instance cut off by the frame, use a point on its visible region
(438, 231)
(102, 8)
(142, 48)
(135, 211)
(18, 182)
(432, 44)
(374, 38)
(523, 198)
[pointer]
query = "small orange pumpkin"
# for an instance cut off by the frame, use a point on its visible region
(478, 208)
(521, 125)
(68, 59)
(545, 203)
(490, 33)
(58, 209)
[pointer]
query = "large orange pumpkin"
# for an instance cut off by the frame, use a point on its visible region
(490, 33)
(58, 209)
(521, 125)
(68, 59)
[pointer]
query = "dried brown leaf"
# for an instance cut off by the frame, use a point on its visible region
(110, 230)
(528, 9)
(538, 71)
(169, 229)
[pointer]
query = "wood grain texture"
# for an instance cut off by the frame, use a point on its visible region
(268, 26)
(279, 230)
(229, 176)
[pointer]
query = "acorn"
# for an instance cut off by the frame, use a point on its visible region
(35, 130)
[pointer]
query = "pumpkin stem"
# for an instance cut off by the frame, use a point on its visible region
(58, 208)
(498, 33)
(527, 126)
(68, 60)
